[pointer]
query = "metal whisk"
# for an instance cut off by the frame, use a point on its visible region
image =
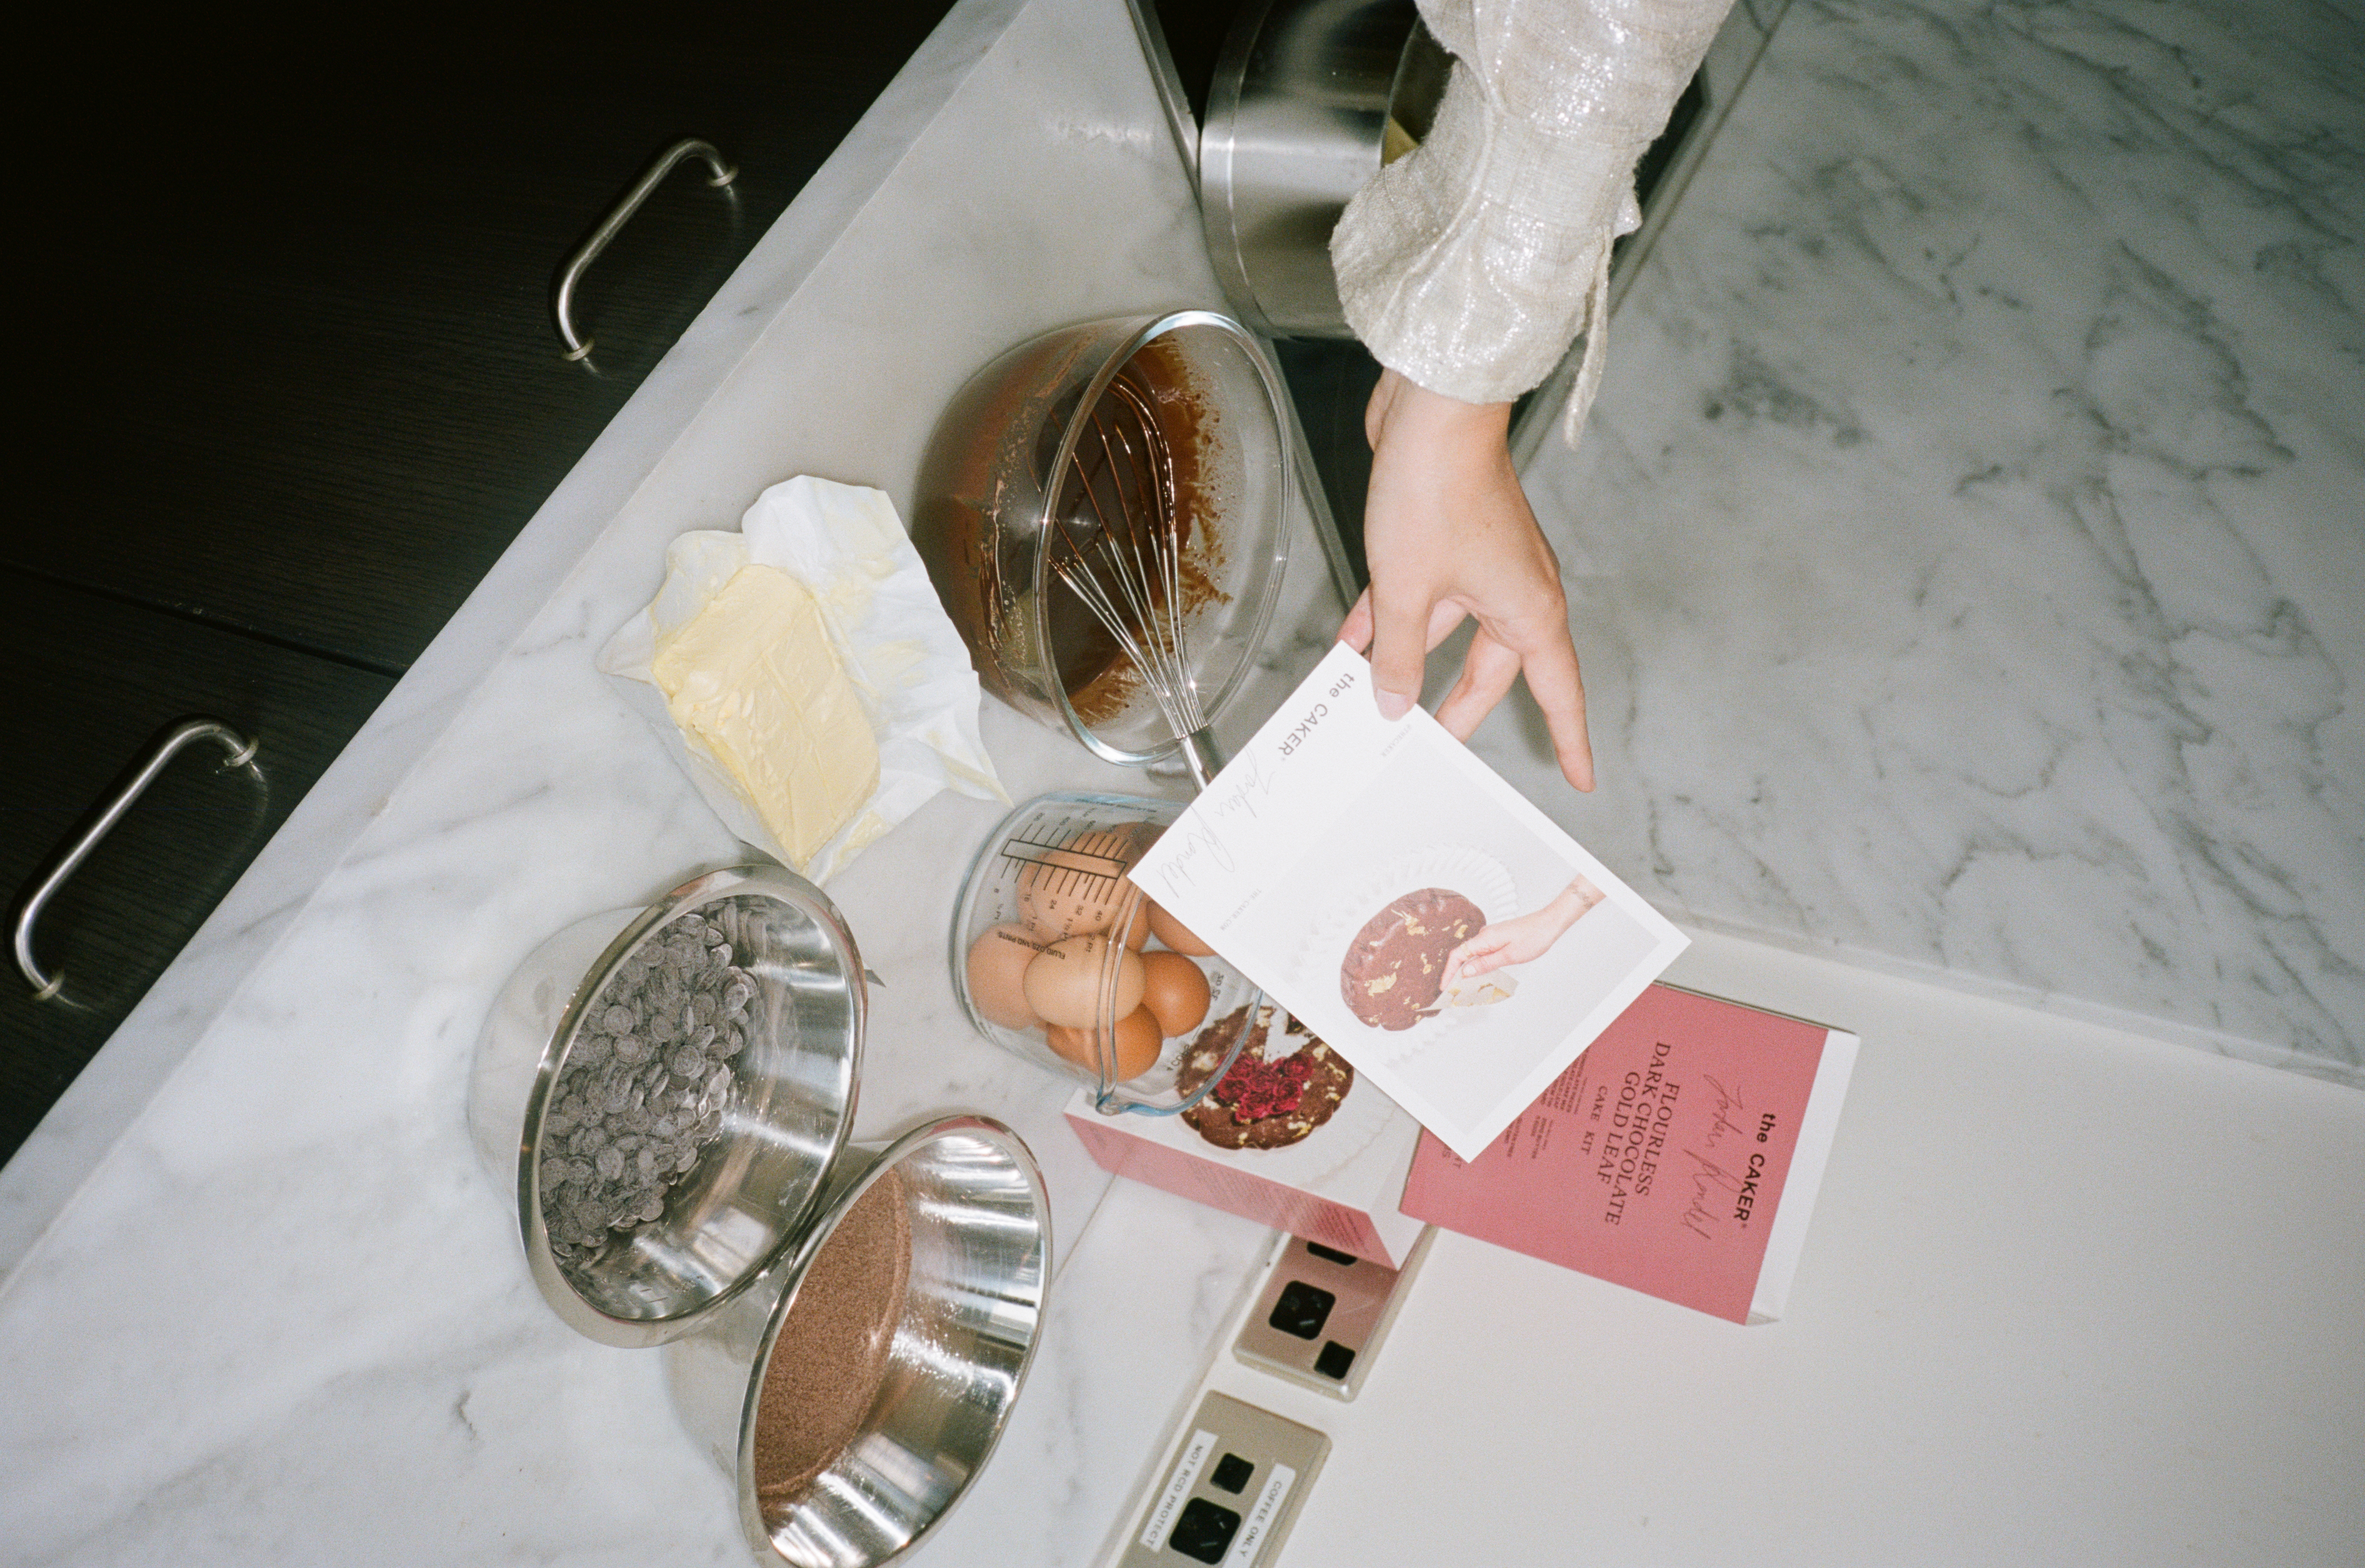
(1126, 564)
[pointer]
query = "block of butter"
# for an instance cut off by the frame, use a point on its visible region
(753, 680)
(803, 674)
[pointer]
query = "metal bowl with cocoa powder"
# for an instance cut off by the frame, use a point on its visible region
(852, 1396)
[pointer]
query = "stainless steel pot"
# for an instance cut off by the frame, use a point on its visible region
(791, 1104)
(968, 1206)
(1298, 121)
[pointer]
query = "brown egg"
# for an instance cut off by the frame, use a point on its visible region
(1176, 934)
(997, 974)
(1175, 990)
(1065, 981)
(1137, 931)
(1077, 892)
(1137, 1046)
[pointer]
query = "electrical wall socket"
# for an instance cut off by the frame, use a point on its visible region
(1231, 1493)
(1322, 1313)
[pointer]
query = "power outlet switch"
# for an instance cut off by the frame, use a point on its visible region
(1322, 1313)
(1231, 1493)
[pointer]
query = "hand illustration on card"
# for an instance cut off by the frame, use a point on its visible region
(1521, 939)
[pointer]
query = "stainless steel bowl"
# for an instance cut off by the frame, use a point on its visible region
(1298, 121)
(735, 1211)
(989, 481)
(956, 1347)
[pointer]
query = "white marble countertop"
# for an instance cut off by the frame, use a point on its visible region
(1965, 545)
(264, 1306)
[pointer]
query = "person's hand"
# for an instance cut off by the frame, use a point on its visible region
(1448, 532)
(1503, 943)
(1523, 939)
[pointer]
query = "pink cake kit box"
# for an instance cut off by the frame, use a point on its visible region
(1315, 1149)
(1679, 1156)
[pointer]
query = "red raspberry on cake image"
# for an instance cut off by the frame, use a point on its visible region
(1263, 1102)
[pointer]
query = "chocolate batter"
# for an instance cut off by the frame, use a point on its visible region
(1097, 675)
(985, 578)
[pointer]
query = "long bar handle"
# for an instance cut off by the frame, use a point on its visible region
(563, 299)
(189, 730)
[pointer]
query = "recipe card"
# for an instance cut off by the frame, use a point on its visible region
(1354, 867)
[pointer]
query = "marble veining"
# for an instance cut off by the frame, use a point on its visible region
(1965, 550)
(2047, 476)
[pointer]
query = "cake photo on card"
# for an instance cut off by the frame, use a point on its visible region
(1388, 940)
(1521, 939)
(1394, 971)
(1276, 1093)
(1432, 948)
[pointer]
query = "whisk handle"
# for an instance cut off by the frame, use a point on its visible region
(1200, 755)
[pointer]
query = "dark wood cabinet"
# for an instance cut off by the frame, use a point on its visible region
(97, 679)
(296, 386)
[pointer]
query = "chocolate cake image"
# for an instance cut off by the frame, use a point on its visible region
(1395, 968)
(1262, 1103)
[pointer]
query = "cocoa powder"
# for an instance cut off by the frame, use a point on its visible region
(831, 1354)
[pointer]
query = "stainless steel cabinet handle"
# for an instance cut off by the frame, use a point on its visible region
(563, 299)
(242, 755)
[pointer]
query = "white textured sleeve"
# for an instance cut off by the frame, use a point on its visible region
(1470, 265)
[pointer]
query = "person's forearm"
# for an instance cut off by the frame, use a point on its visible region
(1567, 905)
(1467, 263)
(1437, 416)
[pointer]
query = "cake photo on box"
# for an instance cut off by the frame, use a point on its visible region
(1292, 1136)
(1277, 1092)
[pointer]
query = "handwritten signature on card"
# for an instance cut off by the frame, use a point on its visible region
(1200, 843)
(1195, 845)
(1727, 1100)
(1709, 1175)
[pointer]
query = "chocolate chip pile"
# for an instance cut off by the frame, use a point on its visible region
(645, 1086)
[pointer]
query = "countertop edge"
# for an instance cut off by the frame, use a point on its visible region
(38, 1183)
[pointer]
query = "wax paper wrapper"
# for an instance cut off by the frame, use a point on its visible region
(908, 666)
